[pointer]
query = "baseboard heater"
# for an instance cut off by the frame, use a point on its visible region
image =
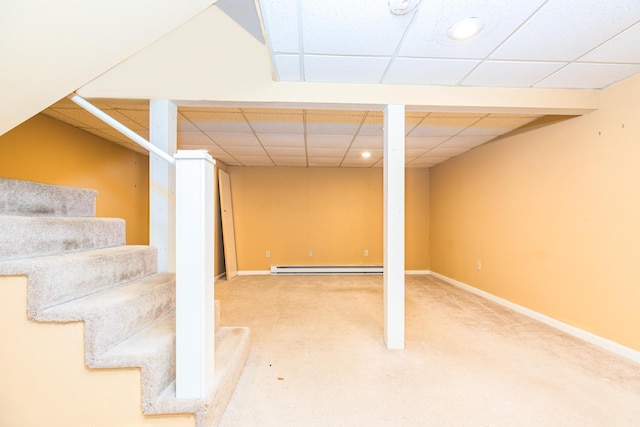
(327, 269)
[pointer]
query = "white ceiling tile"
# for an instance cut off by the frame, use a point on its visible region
(428, 71)
(566, 30)
(290, 161)
(281, 17)
(334, 124)
(422, 162)
(358, 162)
(230, 138)
(622, 48)
(283, 140)
(238, 151)
(428, 34)
(446, 151)
(361, 27)
(287, 68)
(59, 115)
(589, 76)
(276, 123)
(228, 160)
(252, 110)
(467, 141)
(286, 152)
(424, 142)
(134, 119)
(185, 125)
(343, 69)
(254, 160)
(371, 142)
(193, 138)
(325, 161)
(328, 141)
(510, 73)
(82, 117)
(215, 151)
(356, 153)
(215, 121)
(412, 153)
(326, 152)
(128, 104)
(495, 125)
(373, 125)
(442, 126)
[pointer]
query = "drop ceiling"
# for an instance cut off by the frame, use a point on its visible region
(581, 44)
(568, 44)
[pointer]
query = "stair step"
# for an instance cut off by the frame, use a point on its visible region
(153, 349)
(26, 237)
(231, 354)
(118, 313)
(58, 279)
(18, 197)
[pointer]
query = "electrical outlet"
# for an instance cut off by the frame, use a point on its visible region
(267, 253)
(310, 252)
(366, 252)
(478, 265)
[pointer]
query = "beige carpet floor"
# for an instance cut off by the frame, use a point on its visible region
(318, 359)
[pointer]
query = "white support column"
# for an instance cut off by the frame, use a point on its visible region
(195, 335)
(394, 226)
(163, 117)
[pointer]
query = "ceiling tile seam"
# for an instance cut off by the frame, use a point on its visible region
(456, 134)
(577, 59)
(244, 116)
(353, 138)
(146, 126)
(399, 46)
(300, 41)
(504, 40)
(208, 137)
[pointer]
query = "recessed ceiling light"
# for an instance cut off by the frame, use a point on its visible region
(402, 7)
(465, 29)
(366, 154)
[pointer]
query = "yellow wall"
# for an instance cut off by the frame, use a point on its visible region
(45, 381)
(553, 214)
(335, 212)
(46, 150)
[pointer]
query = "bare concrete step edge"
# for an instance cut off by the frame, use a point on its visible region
(18, 197)
(27, 237)
(232, 351)
(118, 313)
(58, 279)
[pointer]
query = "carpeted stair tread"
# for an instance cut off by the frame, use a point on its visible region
(58, 279)
(153, 349)
(26, 237)
(118, 313)
(232, 351)
(28, 198)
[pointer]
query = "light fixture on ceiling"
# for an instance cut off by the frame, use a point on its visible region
(465, 29)
(366, 154)
(402, 7)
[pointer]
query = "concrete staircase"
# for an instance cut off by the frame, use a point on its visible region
(80, 269)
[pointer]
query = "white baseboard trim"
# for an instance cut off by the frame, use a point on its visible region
(589, 337)
(414, 272)
(254, 273)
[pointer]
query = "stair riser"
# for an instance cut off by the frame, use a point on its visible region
(112, 326)
(57, 279)
(25, 237)
(34, 199)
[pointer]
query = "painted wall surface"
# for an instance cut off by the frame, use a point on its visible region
(334, 212)
(553, 216)
(46, 150)
(45, 381)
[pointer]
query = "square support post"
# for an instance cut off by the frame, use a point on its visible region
(394, 317)
(195, 317)
(163, 132)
